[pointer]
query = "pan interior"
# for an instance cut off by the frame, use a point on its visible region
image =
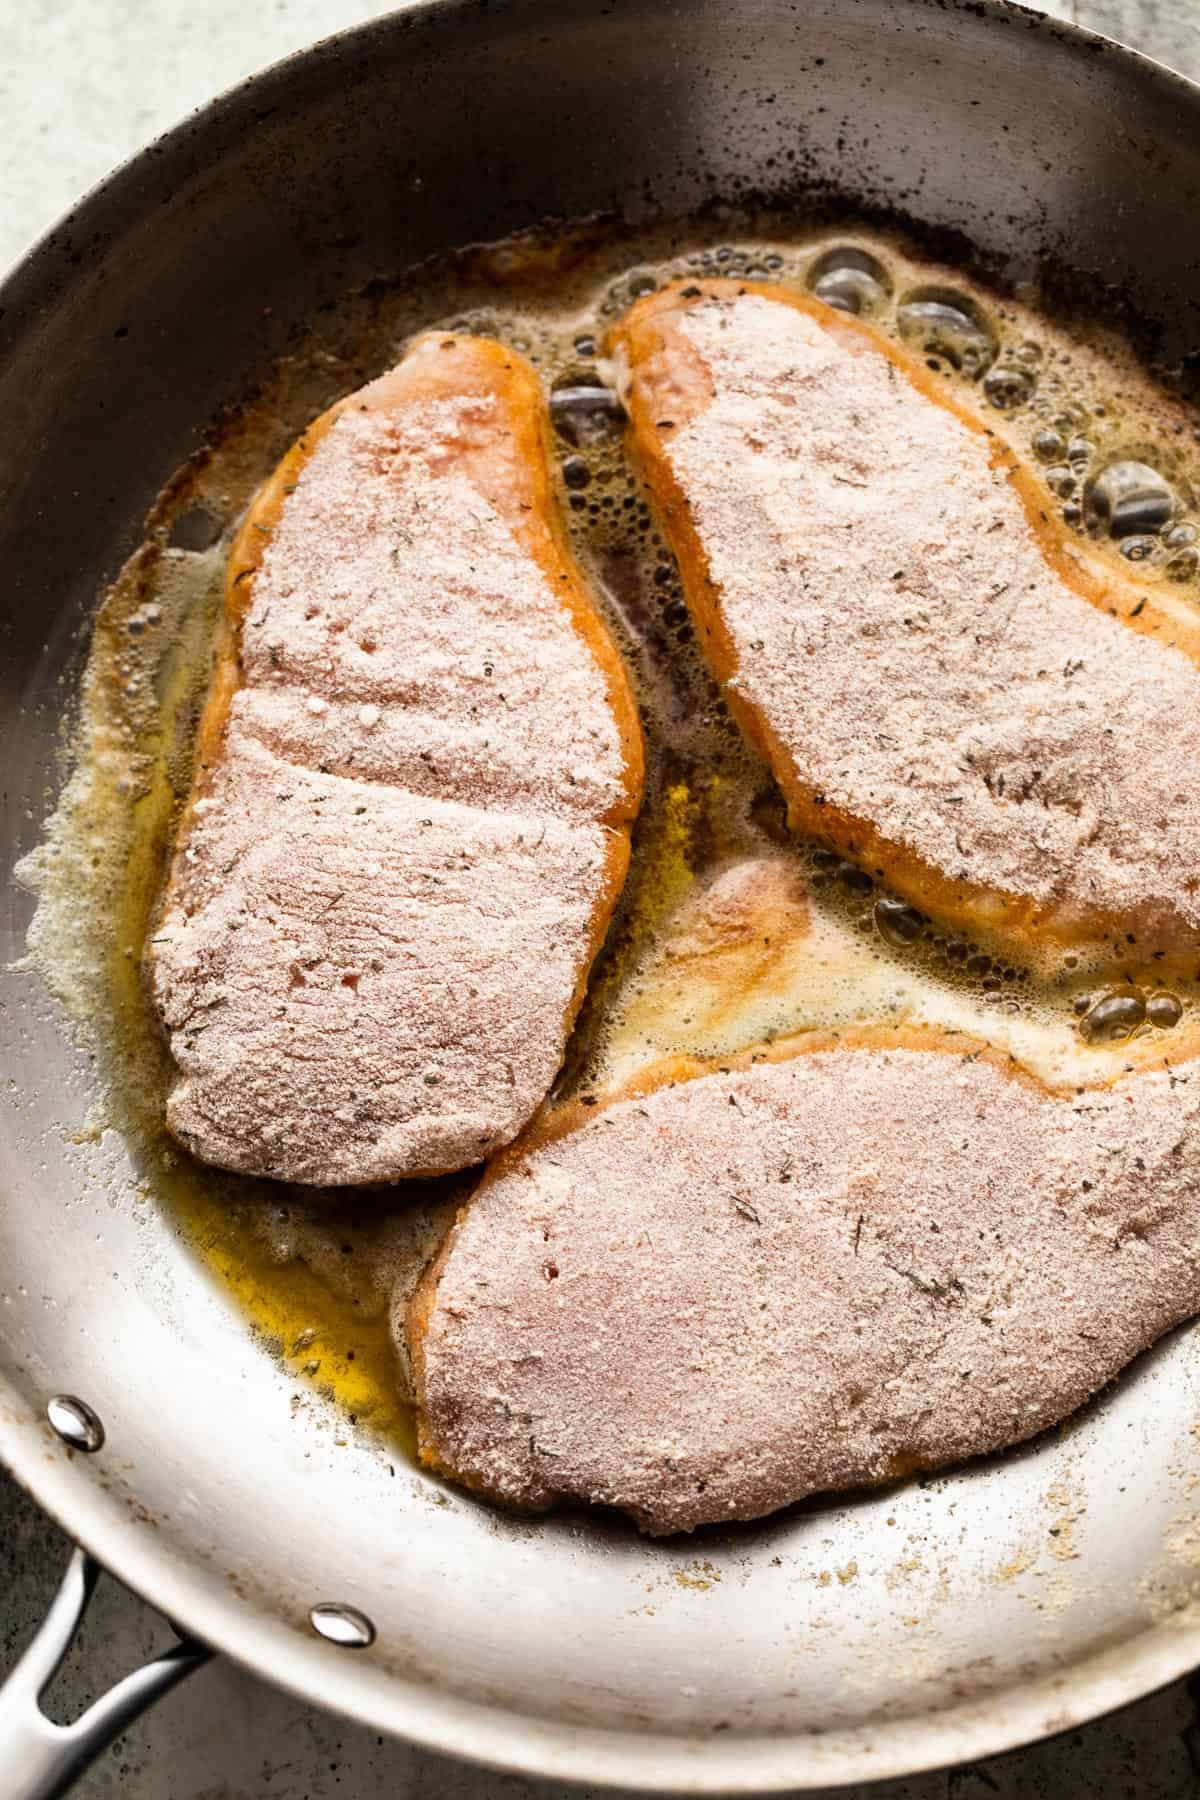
(229, 1472)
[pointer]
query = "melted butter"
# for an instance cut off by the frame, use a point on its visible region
(747, 958)
(729, 933)
(321, 1336)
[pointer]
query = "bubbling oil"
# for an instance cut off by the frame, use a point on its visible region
(730, 932)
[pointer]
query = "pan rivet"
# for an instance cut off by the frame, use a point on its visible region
(75, 1422)
(343, 1625)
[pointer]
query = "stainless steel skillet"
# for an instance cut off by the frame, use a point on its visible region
(743, 1661)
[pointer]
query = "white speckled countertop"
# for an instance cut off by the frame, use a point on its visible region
(82, 84)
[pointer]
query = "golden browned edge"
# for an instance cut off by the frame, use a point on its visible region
(527, 501)
(649, 341)
(670, 1072)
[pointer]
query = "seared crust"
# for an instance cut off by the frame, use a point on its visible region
(670, 387)
(820, 1266)
(463, 411)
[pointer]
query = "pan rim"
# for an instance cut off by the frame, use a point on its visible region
(489, 1735)
(515, 1743)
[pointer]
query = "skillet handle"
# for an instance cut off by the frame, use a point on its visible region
(40, 1760)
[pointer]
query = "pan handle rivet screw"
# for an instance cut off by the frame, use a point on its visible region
(75, 1422)
(343, 1625)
